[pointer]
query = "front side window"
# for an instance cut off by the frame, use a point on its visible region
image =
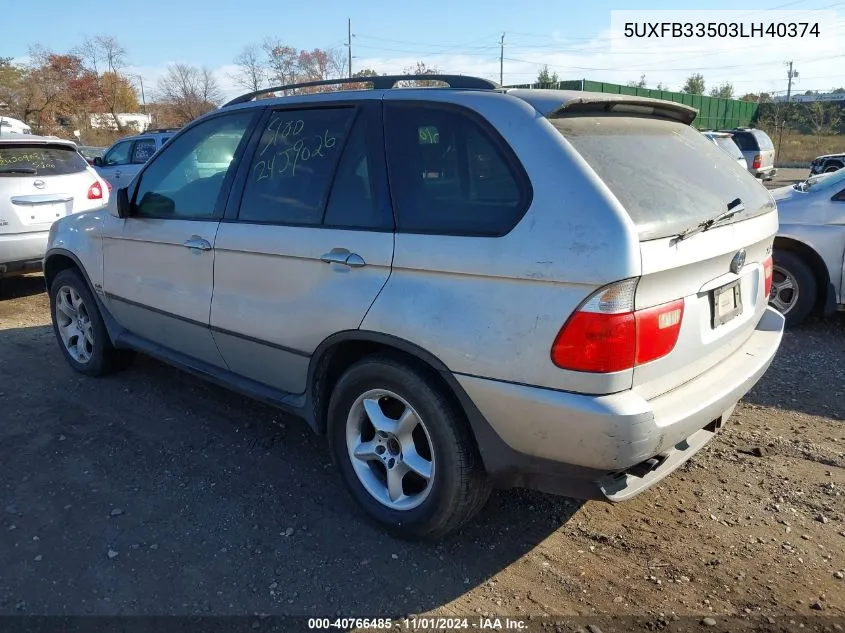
(177, 184)
(294, 162)
(119, 154)
(449, 175)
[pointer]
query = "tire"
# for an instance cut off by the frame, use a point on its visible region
(790, 268)
(458, 487)
(831, 168)
(91, 353)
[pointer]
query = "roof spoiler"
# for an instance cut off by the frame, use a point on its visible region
(620, 104)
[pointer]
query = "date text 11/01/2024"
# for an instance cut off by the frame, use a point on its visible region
(721, 29)
(421, 623)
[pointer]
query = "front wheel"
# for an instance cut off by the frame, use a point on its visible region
(793, 287)
(79, 327)
(403, 451)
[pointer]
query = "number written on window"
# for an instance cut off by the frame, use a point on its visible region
(287, 145)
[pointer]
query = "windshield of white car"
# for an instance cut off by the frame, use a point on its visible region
(822, 180)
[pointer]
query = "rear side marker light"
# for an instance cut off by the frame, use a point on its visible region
(768, 270)
(606, 334)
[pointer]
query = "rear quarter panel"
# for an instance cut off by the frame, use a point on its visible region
(492, 307)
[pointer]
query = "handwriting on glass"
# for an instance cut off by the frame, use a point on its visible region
(289, 133)
(34, 160)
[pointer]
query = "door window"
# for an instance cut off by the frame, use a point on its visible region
(176, 184)
(143, 150)
(118, 155)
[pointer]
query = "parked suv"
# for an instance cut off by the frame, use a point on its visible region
(120, 162)
(41, 180)
(461, 287)
(758, 150)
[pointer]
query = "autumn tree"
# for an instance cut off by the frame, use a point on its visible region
(420, 68)
(105, 59)
(546, 77)
(189, 91)
(12, 78)
(320, 65)
(694, 84)
(281, 62)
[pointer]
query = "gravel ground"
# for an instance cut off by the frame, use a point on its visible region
(151, 492)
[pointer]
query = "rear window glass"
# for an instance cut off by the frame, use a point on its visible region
(39, 160)
(729, 146)
(667, 175)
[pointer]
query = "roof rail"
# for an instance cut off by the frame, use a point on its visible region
(160, 130)
(379, 82)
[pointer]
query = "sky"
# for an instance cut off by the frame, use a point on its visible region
(574, 39)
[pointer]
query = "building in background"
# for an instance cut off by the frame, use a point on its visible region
(104, 120)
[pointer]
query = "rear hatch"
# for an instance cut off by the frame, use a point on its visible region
(758, 149)
(670, 178)
(42, 182)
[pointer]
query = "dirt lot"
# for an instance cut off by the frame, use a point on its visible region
(151, 492)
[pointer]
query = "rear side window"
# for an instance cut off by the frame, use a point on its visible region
(763, 140)
(666, 174)
(143, 150)
(449, 174)
(27, 159)
(293, 166)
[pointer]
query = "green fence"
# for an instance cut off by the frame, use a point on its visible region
(713, 113)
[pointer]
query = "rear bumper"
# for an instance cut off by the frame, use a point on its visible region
(585, 446)
(22, 251)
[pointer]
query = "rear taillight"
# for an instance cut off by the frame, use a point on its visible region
(95, 192)
(607, 335)
(768, 269)
(758, 160)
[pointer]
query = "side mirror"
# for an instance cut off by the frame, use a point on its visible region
(98, 161)
(122, 203)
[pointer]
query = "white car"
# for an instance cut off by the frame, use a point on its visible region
(725, 141)
(41, 180)
(8, 125)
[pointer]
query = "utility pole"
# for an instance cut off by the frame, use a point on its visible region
(349, 43)
(501, 60)
(143, 98)
(791, 74)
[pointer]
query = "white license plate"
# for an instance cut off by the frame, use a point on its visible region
(43, 213)
(727, 303)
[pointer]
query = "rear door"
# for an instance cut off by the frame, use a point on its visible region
(40, 183)
(311, 244)
(142, 151)
(670, 178)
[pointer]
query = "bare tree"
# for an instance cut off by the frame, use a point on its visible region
(252, 73)
(105, 59)
(420, 68)
(189, 91)
(822, 118)
(283, 62)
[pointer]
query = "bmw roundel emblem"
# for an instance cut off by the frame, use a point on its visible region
(738, 261)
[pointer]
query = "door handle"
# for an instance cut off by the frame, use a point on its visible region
(343, 256)
(117, 173)
(198, 243)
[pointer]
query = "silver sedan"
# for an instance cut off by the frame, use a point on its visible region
(809, 248)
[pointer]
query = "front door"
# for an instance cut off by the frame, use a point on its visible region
(311, 245)
(159, 262)
(115, 162)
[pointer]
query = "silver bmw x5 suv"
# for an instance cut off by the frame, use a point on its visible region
(461, 287)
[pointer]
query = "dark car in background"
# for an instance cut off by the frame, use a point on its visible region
(827, 163)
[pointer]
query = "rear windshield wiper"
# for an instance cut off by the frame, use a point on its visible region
(17, 170)
(734, 207)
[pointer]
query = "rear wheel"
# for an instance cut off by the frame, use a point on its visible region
(79, 328)
(403, 451)
(794, 288)
(832, 168)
